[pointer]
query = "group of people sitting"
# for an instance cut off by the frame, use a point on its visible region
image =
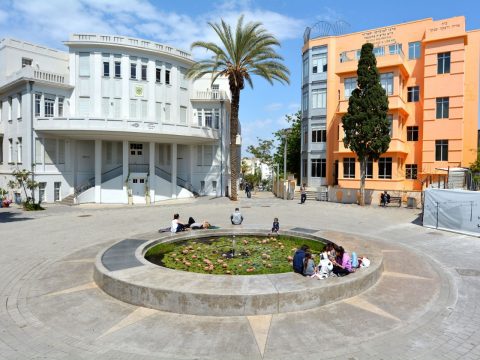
(178, 226)
(334, 261)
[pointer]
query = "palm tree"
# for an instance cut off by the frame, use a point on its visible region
(250, 51)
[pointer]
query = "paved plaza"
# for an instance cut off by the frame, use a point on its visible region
(424, 306)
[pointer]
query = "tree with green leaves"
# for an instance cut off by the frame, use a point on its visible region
(23, 180)
(292, 136)
(263, 151)
(366, 127)
(247, 52)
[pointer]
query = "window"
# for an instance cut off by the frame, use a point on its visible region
(19, 150)
(214, 186)
(10, 150)
(133, 70)
(144, 72)
(184, 83)
(305, 68)
(136, 149)
(41, 191)
(412, 133)
(386, 80)
(1, 149)
(411, 171)
(305, 135)
(117, 108)
(385, 168)
(26, 62)
(60, 106)
(19, 105)
(442, 107)
(56, 190)
(413, 94)
(133, 108)
(319, 98)
(38, 100)
(369, 169)
(200, 117)
(305, 168)
(208, 118)
(319, 63)
(319, 167)
(167, 77)
(158, 74)
(158, 111)
(379, 51)
(118, 69)
(202, 186)
(50, 146)
(49, 105)
(84, 106)
(38, 151)
(183, 116)
(414, 50)
(349, 168)
(350, 85)
(441, 150)
(319, 136)
(84, 64)
(305, 101)
(106, 68)
(10, 106)
(167, 112)
(216, 123)
(443, 63)
(390, 122)
(395, 49)
(144, 107)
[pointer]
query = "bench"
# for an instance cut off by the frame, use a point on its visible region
(393, 199)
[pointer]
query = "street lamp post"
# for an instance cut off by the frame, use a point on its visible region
(284, 137)
(278, 178)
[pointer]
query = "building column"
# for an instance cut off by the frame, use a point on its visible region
(125, 166)
(98, 171)
(174, 171)
(151, 171)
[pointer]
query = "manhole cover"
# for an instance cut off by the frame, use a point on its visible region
(84, 215)
(265, 206)
(468, 272)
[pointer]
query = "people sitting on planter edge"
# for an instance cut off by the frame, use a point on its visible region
(342, 264)
(308, 265)
(177, 225)
(236, 218)
(385, 198)
(275, 226)
(298, 259)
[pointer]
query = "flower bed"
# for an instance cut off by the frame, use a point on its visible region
(240, 255)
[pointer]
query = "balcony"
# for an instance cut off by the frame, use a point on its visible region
(209, 95)
(387, 56)
(96, 126)
(395, 102)
(128, 42)
(29, 73)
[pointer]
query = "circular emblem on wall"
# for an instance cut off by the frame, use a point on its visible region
(139, 90)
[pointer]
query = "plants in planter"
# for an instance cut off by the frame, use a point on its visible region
(23, 180)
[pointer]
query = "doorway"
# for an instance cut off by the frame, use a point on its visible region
(138, 186)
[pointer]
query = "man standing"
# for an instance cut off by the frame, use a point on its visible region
(303, 194)
(236, 218)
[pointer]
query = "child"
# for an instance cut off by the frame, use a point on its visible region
(275, 226)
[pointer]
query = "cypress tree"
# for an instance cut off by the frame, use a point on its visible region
(366, 127)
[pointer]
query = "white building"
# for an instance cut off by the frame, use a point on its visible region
(113, 120)
(255, 165)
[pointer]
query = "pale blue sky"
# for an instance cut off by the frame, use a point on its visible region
(179, 23)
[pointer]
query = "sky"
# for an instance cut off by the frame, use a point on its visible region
(181, 22)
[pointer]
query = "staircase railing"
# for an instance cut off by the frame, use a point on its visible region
(180, 182)
(106, 176)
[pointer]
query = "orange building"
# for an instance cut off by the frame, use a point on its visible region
(430, 71)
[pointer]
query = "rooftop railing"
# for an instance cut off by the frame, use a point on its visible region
(129, 41)
(29, 72)
(210, 95)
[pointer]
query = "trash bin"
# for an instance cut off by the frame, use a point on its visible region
(411, 203)
(18, 198)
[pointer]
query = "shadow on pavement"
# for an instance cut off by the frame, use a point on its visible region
(10, 216)
(418, 220)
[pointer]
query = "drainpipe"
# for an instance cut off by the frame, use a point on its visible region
(32, 142)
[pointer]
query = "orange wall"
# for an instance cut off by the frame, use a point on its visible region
(460, 85)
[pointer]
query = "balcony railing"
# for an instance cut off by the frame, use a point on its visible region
(210, 95)
(353, 55)
(29, 72)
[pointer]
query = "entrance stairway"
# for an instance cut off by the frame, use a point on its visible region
(68, 200)
(314, 194)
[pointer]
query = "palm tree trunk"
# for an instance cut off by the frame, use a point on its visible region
(363, 166)
(233, 141)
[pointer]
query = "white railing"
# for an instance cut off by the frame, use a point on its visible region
(29, 72)
(129, 41)
(126, 125)
(393, 49)
(210, 95)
